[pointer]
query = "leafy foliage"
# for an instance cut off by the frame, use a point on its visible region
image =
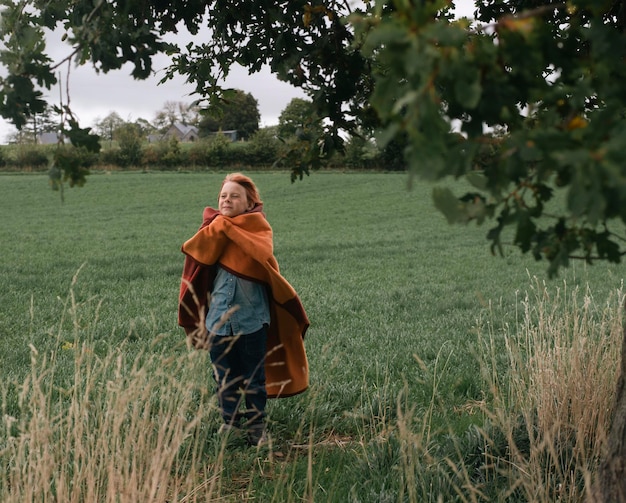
(70, 164)
(541, 72)
(298, 118)
(531, 93)
(236, 110)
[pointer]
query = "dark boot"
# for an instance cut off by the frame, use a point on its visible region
(257, 435)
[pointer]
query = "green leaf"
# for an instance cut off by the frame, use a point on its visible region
(383, 137)
(477, 179)
(387, 33)
(468, 93)
(470, 207)
(607, 248)
(525, 232)
(448, 204)
(81, 137)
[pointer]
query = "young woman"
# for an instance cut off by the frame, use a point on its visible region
(234, 301)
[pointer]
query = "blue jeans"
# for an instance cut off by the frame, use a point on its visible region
(239, 371)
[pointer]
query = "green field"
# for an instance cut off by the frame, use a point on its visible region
(410, 320)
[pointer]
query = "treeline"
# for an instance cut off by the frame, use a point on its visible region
(262, 151)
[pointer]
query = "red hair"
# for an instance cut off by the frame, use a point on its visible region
(252, 192)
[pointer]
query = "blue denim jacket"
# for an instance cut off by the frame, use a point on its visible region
(229, 291)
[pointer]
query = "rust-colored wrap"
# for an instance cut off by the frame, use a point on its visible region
(243, 245)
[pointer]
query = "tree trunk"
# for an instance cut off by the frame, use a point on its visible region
(611, 482)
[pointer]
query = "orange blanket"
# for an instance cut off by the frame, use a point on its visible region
(243, 245)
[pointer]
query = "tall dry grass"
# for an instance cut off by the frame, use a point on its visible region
(128, 428)
(124, 427)
(545, 423)
(119, 433)
(554, 405)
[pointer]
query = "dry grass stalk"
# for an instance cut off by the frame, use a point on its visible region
(115, 435)
(564, 362)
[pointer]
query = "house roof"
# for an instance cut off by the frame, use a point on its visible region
(185, 129)
(49, 138)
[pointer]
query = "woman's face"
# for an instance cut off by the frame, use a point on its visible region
(233, 200)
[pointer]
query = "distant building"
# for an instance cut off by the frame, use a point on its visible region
(231, 134)
(51, 138)
(186, 134)
(181, 132)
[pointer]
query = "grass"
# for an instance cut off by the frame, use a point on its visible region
(433, 364)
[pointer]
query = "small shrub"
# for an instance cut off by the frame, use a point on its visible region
(171, 154)
(110, 157)
(150, 155)
(130, 140)
(31, 157)
(198, 153)
(218, 149)
(163, 154)
(262, 148)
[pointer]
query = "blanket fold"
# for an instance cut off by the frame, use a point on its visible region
(244, 246)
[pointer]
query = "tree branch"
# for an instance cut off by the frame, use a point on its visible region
(69, 58)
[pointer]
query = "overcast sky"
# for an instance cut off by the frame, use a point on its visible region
(93, 96)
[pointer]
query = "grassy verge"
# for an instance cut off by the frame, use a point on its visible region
(431, 361)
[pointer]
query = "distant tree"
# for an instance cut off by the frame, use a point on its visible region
(145, 126)
(236, 110)
(176, 111)
(130, 140)
(167, 115)
(189, 114)
(300, 131)
(106, 127)
(298, 117)
(44, 122)
(362, 151)
(209, 124)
